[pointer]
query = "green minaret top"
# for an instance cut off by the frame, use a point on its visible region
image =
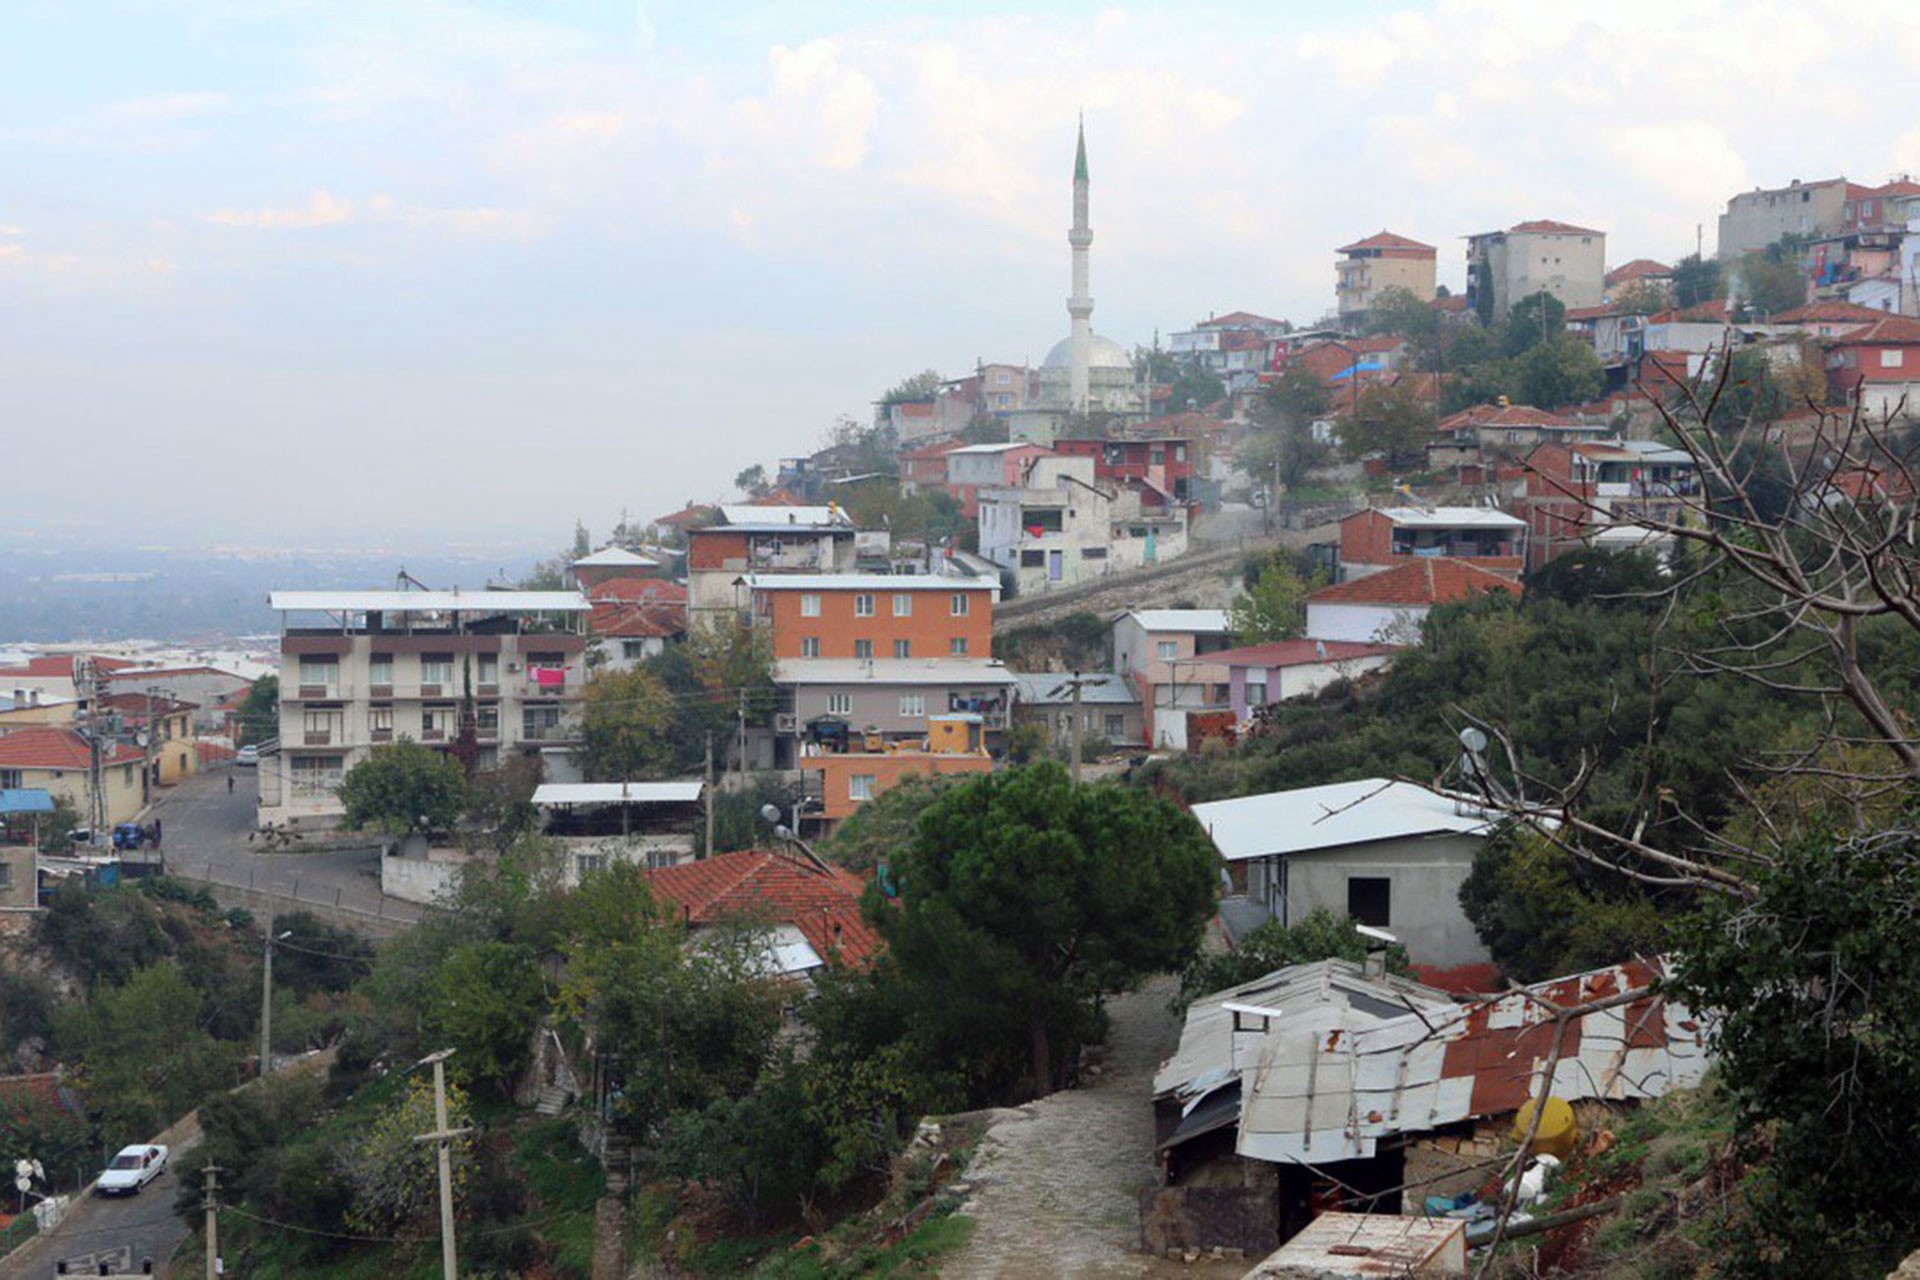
(1080, 155)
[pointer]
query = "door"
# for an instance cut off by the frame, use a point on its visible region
(1056, 565)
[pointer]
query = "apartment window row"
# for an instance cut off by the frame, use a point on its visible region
(863, 649)
(322, 671)
(960, 605)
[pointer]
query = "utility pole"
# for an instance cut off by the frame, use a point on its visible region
(743, 736)
(266, 998)
(707, 792)
(441, 1136)
(1073, 726)
(212, 1196)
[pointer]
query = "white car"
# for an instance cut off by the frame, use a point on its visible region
(247, 757)
(131, 1170)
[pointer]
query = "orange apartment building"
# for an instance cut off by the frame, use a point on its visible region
(874, 616)
(1381, 538)
(837, 783)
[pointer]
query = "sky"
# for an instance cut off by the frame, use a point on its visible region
(336, 272)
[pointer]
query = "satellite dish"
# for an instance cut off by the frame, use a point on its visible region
(1473, 740)
(140, 739)
(770, 812)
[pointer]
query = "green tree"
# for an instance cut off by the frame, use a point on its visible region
(260, 712)
(626, 725)
(1023, 896)
(56, 830)
(485, 1001)
(403, 788)
(1696, 280)
(1194, 388)
(921, 386)
(1401, 313)
(1642, 298)
(1772, 281)
(1818, 1039)
(1274, 606)
(1320, 936)
(145, 1060)
(1535, 319)
(1388, 420)
(393, 1177)
(500, 808)
(1560, 371)
(884, 824)
(752, 481)
(1541, 914)
(734, 664)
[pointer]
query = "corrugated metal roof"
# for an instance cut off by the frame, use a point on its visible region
(746, 517)
(427, 601)
(1102, 688)
(1199, 621)
(552, 793)
(962, 671)
(1450, 517)
(25, 800)
(619, 557)
(1332, 1093)
(1342, 813)
(1367, 1245)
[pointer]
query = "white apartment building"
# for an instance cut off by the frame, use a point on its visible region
(1541, 256)
(362, 668)
(1061, 527)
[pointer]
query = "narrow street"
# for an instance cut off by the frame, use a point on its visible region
(1056, 1182)
(122, 1231)
(205, 831)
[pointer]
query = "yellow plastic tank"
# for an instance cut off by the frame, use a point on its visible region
(1559, 1132)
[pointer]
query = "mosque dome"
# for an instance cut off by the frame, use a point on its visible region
(1102, 353)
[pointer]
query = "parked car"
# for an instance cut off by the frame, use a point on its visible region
(131, 1170)
(247, 757)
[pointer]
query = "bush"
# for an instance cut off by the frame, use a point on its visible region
(1320, 936)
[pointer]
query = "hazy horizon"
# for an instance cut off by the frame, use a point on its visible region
(367, 273)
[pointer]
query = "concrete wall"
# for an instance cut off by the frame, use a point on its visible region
(1366, 623)
(1425, 874)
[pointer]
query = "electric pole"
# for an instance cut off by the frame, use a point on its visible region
(743, 735)
(212, 1196)
(441, 1137)
(1073, 726)
(266, 999)
(707, 792)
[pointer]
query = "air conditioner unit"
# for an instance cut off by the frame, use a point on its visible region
(786, 722)
(513, 666)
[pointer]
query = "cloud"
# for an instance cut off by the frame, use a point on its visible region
(155, 125)
(326, 210)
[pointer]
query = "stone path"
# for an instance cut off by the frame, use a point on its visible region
(1056, 1182)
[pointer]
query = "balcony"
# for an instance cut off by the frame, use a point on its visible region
(380, 735)
(314, 738)
(378, 690)
(317, 692)
(548, 733)
(431, 691)
(433, 735)
(549, 688)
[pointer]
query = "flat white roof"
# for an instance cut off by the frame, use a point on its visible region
(428, 601)
(1451, 517)
(1210, 621)
(1344, 813)
(553, 793)
(891, 671)
(994, 448)
(620, 557)
(782, 517)
(869, 582)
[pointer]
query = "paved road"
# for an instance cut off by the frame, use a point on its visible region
(206, 830)
(122, 1231)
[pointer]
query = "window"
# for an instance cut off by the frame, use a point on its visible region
(436, 669)
(380, 670)
(863, 648)
(1166, 650)
(6, 876)
(318, 671)
(632, 650)
(1370, 900)
(486, 719)
(860, 786)
(960, 605)
(1032, 559)
(863, 606)
(902, 605)
(810, 606)
(9, 779)
(809, 646)
(957, 647)
(380, 723)
(1001, 377)
(1116, 727)
(1256, 693)
(913, 705)
(585, 864)
(436, 722)
(316, 777)
(1891, 359)
(488, 672)
(903, 648)
(320, 726)
(839, 704)
(1093, 553)
(539, 724)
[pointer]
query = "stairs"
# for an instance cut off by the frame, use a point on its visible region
(553, 1100)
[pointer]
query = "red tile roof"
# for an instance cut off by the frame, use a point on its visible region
(621, 620)
(1511, 415)
(1548, 227)
(692, 513)
(1589, 313)
(52, 748)
(1299, 653)
(638, 591)
(1829, 313)
(1233, 319)
(60, 665)
(1386, 240)
(781, 888)
(1452, 302)
(1638, 269)
(1426, 580)
(1898, 187)
(1887, 331)
(137, 704)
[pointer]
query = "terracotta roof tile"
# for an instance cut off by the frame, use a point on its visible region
(52, 748)
(623, 620)
(1638, 269)
(1386, 240)
(1424, 581)
(777, 887)
(1886, 331)
(1829, 313)
(1549, 227)
(638, 590)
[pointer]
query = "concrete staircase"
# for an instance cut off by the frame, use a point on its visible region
(552, 1100)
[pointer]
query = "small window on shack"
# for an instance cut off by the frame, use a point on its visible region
(1370, 900)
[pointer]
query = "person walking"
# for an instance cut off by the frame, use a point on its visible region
(229, 784)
